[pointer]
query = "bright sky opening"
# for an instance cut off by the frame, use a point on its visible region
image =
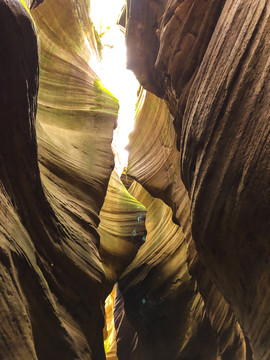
(114, 74)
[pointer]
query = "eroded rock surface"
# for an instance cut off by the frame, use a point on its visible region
(51, 271)
(197, 288)
(212, 68)
(161, 299)
(159, 176)
(122, 231)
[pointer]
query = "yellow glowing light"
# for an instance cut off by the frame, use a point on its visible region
(104, 13)
(109, 330)
(113, 72)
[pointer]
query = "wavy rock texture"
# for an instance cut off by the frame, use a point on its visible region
(160, 297)
(121, 230)
(159, 176)
(51, 271)
(212, 68)
(205, 153)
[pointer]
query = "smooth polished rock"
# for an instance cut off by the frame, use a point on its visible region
(51, 272)
(213, 72)
(154, 162)
(121, 229)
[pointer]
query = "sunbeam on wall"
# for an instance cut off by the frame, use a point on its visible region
(123, 85)
(113, 72)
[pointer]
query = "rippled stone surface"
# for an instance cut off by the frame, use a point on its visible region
(197, 288)
(211, 67)
(161, 299)
(121, 229)
(51, 272)
(159, 177)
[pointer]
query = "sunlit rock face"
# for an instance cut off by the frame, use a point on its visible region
(154, 162)
(211, 65)
(161, 299)
(195, 287)
(121, 230)
(51, 272)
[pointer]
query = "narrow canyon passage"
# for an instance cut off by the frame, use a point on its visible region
(159, 251)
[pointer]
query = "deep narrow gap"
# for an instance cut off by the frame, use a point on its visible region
(113, 73)
(123, 85)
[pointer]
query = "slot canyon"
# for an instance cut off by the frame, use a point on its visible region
(168, 259)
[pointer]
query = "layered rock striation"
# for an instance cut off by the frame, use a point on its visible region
(154, 162)
(196, 286)
(54, 174)
(210, 63)
(121, 229)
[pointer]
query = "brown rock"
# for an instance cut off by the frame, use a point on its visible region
(215, 74)
(51, 271)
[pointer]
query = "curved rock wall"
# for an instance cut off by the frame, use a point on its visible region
(51, 272)
(161, 299)
(203, 149)
(121, 230)
(154, 162)
(212, 68)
